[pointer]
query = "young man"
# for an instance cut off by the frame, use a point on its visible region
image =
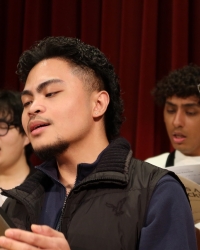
(90, 193)
(179, 93)
(15, 148)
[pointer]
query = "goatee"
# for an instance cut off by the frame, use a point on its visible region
(51, 151)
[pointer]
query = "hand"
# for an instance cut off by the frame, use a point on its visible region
(41, 237)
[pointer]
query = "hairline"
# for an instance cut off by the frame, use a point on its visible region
(85, 73)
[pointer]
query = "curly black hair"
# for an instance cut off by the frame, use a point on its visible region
(181, 83)
(11, 109)
(90, 60)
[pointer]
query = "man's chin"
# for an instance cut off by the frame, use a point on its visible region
(51, 151)
(183, 150)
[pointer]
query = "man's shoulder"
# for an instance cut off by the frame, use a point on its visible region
(159, 160)
(146, 174)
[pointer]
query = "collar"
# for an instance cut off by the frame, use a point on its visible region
(112, 158)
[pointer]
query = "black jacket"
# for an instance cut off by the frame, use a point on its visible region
(105, 211)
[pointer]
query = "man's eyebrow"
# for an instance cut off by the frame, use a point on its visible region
(192, 104)
(26, 92)
(170, 103)
(41, 86)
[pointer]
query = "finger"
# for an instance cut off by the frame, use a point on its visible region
(10, 244)
(27, 237)
(46, 230)
(56, 240)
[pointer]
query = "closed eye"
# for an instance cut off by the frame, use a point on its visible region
(171, 111)
(51, 94)
(191, 113)
(26, 104)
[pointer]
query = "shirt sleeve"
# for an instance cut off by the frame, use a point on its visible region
(169, 224)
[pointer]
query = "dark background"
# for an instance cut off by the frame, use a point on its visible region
(144, 39)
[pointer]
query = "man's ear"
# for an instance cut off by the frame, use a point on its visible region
(26, 140)
(102, 100)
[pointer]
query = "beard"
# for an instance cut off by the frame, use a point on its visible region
(51, 151)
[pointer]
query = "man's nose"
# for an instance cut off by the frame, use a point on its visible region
(178, 120)
(36, 108)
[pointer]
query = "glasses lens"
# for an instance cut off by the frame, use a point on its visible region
(3, 128)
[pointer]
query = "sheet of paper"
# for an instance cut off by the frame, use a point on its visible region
(193, 192)
(190, 177)
(191, 172)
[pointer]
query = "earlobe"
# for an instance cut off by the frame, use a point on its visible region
(101, 103)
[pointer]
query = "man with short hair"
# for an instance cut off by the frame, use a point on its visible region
(179, 93)
(90, 193)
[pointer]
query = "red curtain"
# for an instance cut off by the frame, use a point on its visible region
(144, 39)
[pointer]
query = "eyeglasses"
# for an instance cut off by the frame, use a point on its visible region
(4, 127)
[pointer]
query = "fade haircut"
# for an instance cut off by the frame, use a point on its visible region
(89, 63)
(181, 83)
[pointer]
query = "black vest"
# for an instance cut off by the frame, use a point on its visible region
(170, 159)
(106, 211)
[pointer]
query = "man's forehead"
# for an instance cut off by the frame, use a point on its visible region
(48, 65)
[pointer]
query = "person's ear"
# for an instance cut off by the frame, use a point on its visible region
(102, 100)
(26, 140)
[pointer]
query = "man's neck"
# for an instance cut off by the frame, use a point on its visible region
(76, 154)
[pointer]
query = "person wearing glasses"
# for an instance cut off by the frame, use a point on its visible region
(90, 192)
(15, 148)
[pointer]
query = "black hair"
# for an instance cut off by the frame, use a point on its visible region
(11, 109)
(90, 61)
(182, 83)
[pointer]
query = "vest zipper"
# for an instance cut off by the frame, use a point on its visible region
(61, 216)
(58, 227)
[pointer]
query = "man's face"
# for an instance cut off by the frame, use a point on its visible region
(182, 120)
(58, 111)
